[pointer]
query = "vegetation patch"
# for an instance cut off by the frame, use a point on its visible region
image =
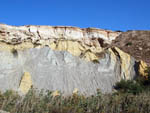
(131, 97)
(140, 84)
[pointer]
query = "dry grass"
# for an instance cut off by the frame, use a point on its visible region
(45, 103)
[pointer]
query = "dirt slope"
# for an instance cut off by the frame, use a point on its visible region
(136, 43)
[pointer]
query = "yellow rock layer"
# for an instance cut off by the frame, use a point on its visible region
(22, 46)
(75, 91)
(125, 62)
(113, 56)
(55, 93)
(26, 83)
(76, 48)
(72, 47)
(142, 67)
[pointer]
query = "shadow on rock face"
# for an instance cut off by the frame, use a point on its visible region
(14, 52)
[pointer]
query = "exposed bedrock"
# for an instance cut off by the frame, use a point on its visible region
(45, 68)
(40, 56)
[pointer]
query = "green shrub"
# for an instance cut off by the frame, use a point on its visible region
(129, 44)
(129, 86)
(140, 84)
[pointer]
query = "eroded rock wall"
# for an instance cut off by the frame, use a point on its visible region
(45, 68)
(65, 59)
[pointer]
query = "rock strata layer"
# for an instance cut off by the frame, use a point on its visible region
(65, 59)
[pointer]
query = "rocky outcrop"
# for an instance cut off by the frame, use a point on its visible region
(37, 34)
(64, 59)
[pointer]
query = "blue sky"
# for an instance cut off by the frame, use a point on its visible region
(107, 14)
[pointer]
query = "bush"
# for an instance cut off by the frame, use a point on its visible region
(129, 44)
(145, 81)
(140, 84)
(129, 86)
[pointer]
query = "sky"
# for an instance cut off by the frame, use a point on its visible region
(106, 14)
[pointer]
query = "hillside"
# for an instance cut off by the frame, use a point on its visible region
(66, 59)
(135, 43)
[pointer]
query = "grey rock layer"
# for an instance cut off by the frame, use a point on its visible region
(59, 70)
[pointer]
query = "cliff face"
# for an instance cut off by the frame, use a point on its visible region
(12, 34)
(61, 58)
